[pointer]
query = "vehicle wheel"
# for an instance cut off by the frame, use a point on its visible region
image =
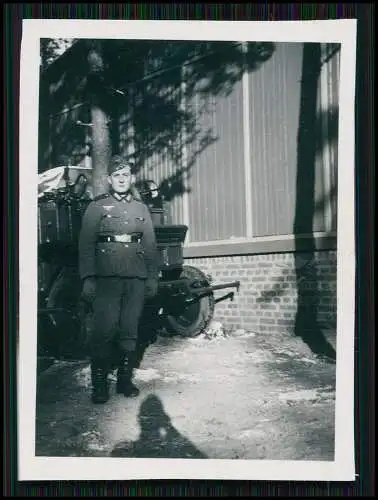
(193, 319)
(69, 327)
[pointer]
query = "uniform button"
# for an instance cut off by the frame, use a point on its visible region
(126, 246)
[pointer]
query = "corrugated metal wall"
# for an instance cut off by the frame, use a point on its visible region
(216, 199)
(60, 136)
(274, 114)
(62, 92)
(70, 139)
(158, 140)
(330, 105)
(334, 74)
(160, 167)
(275, 93)
(213, 166)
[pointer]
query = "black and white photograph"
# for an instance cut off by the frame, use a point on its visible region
(187, 250)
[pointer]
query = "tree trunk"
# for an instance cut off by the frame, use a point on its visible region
(101, 149)
(101, 144)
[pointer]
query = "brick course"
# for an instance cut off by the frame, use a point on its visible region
(271, 288)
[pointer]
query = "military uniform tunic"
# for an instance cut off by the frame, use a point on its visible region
(117, 247)
(112, 216)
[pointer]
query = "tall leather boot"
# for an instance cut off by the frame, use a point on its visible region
(100, 388)
(124, 376)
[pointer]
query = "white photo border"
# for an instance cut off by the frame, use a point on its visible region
(72, 468)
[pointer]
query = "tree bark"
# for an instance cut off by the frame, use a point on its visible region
(101, 149)
(101, 144)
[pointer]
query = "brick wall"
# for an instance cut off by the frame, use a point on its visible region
(272, 287)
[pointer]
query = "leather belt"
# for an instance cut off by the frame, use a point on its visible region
(120, 238)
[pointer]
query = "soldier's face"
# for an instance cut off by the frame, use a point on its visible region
(120, 180)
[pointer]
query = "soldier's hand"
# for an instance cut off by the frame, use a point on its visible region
(152, 285)
(89, 289)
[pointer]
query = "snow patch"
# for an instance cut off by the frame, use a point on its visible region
(306, 395)
(93, 441)
(96, 447)
(239, 332)
(147, 374)
(216, 327)
(215, 330)
(284, 352)
(174, 377)
(252, 433)
(260, 355)
(248, 335)
(307, 360)
(83, 377)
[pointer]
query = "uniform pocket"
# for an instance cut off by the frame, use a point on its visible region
(106, 260)
(113, 224)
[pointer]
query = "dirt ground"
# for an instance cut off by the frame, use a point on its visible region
(240, 396)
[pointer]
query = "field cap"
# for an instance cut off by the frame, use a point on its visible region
(118, 163)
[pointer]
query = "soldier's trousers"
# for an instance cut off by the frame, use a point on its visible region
(117, 309)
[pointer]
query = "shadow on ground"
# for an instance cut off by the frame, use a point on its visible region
(158, 437)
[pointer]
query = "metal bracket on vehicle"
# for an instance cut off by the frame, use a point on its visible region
(229, 295)
(208, 289)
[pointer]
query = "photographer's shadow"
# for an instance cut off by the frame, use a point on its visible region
(158, 437)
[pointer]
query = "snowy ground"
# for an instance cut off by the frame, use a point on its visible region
(221, 396)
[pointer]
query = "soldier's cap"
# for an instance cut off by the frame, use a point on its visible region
(118, 163)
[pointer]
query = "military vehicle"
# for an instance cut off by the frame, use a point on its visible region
(185, 301)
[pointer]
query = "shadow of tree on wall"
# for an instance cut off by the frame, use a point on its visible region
(168, 92)
(149, 96)
(62, 89)
(306, 321)
(311, 141)
(151, 91)
(158, 437)
(150, 114)
(281, 283)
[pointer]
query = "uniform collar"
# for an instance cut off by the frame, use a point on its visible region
(126, 197)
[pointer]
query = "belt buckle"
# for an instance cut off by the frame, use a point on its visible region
(128, 238)
(123, 238)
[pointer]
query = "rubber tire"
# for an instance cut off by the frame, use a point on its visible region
(205, 309)
(71, 331)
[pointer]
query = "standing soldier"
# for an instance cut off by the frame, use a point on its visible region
(118, 266)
